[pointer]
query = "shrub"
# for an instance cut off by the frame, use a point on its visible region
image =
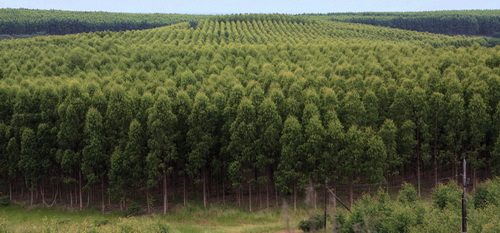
(487, 193)
(447, 195)
(481, 197)
(402, 219)
(408, 195)
(314, 223)
(305, 225)
(162, 228)
(101, 222)
(4, 201)
(133, 210)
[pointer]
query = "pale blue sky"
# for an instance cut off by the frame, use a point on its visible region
(250, 6)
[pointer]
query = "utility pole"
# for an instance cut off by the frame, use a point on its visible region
(464, 200)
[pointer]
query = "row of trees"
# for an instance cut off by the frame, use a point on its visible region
(468, 22)
(132, 114)
(56, 22)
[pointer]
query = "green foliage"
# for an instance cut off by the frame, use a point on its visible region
(380, 214)
(101, 222)
(305, 225)
(56, 22)
(133, 210)
(463, 22)
(5, 201)
(314, 223)
(487, 193)
(408, 194)
(243, 100)
(162, 228)
(447, 196)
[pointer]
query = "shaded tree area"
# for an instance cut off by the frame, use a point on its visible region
(464, 22)
(57, 22)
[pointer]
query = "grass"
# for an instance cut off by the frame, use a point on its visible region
(192, 218)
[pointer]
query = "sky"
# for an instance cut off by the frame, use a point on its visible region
(250, 6)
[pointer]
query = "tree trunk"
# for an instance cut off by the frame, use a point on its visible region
(315, 196)
(223, 192)
(217, 190)
(165, 199)
(204, 188)
(71, 196)
(103, 206)
(351, 194)
(10, 190)
(89, 193)
(259, 196)
(80, 189)
(294, 197)
(456, 173)
(148, 201)
(54, 200)
(418, 175)
(435, 170)
(474, 180)
(184, 190)
(267, 195)
(249, 197)
(387, 183)
(42, 194)
(238, 197)
(276, 195)
(31, 196)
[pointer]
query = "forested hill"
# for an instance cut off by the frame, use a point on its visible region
(57, 22)
(464, 22)
(235, 107)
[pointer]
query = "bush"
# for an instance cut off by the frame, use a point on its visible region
(408, 195)
(133, 210)
(402, 219)
(448, 195)
(162, 228)
(101, 222)
(487, 193)
(481, 197)
(4, 201)
(314, 223)
(305, 225)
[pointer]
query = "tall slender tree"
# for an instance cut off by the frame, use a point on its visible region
(201, 138)
(161, 144)
(95, 163)
(28, 162)
(479, 123)
(290, 177)
(244, 141)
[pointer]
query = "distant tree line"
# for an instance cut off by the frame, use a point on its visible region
(56, 22)
(485, 23)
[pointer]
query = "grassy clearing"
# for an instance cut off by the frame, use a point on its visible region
(183, 219)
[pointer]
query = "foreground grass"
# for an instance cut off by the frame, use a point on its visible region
(183, 219)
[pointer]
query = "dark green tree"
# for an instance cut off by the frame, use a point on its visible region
(201, 138)
(95, 163)
(28, 161)
(161, 144)
(290, 177)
